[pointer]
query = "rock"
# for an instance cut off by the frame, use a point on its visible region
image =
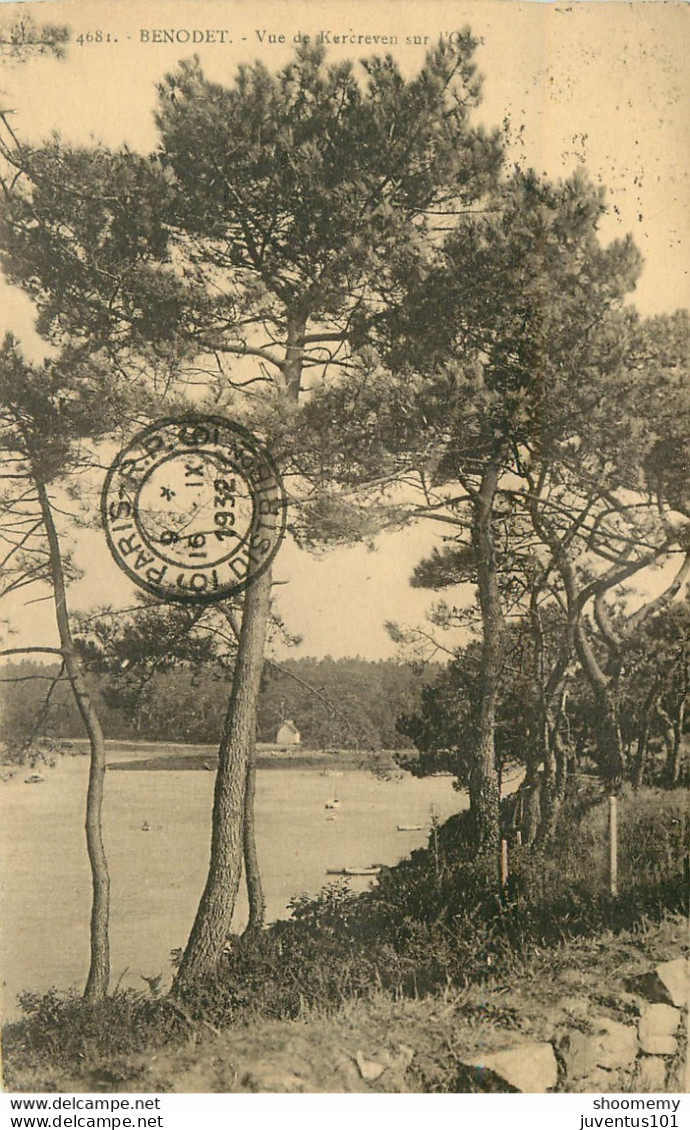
(659, 1045)
(530, 1068)
(347, 1076)
(369, 1069)
(399, 1060)
(651, 1074)
(611, 1046)
(668, 983)
(601, 1080)
(405, 1055)
(266, 1078)
(675, 977)
(658, 1020)
(396, 1062)
(285, 1082)
(633, 1002)
(579, 1053)
(575, 1007)
(616, 1043)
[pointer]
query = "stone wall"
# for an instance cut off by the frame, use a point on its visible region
(599, 1054)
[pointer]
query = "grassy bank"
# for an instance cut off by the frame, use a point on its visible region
(434, 958)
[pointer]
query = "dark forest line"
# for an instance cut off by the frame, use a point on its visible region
(334, 704)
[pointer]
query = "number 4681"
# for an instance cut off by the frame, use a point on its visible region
(94, 37)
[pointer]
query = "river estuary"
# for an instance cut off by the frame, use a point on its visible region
(157, 829)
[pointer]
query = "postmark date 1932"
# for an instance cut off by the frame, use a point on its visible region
(193, 509)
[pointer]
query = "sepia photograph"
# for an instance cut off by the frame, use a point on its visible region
(344, 553)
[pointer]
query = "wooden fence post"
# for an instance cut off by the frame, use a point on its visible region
(503, 865)
(613, 846)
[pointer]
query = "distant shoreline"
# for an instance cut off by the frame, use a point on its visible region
(209, 762)
(168, 756)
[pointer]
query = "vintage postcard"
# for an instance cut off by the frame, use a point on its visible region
(345, 536)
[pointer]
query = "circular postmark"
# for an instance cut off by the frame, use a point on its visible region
(193, 509)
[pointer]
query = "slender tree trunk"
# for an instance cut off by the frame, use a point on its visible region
(679, 719)
(642, 747)
(610, 739)
(673, 735)
(668, 740)
(641, 754)
(214, 915)
(678, 725)
(99, 968)
(542, 793)
(483, 779)
(562, 759)
(553, 791)
(252, 873)
(555, 773)
(530, 803)
(548, 814)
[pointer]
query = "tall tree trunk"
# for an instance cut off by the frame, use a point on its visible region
(99, 967)
(483, 779)
(252, 873)
(214, 915)
(292, 374)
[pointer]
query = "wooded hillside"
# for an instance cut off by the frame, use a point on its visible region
(340, 703)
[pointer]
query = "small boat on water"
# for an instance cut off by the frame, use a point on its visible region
(411, 827)
(34, 779)
(353, 870)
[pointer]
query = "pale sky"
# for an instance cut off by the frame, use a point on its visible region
(604, 84)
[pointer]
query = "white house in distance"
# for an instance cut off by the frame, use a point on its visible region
(288, 734)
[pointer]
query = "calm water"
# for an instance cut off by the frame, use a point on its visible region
(157, 876)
